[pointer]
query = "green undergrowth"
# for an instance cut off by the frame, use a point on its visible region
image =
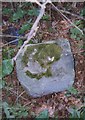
(76, 33)
(45, 55)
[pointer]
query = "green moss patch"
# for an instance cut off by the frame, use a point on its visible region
(44, 54)
(38, 76)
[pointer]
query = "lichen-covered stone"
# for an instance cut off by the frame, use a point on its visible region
(38, 59)
(46, 68)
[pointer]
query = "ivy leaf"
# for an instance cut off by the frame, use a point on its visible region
(20, 42)
(7, 110)
(33, 12)
(73, 91)
(7, 67)
(19, 14)
(25, 27)
(19, 111)
(82, 12)
(0, 70)
(78, 38)
(2, 84)
(46, 17)
(43, 115)
(83, 112)
(73, 36)
(78, 22)
(7, 11)
(74, 113)
(75, 33)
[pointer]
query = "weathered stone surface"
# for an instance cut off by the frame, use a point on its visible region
(62, 73)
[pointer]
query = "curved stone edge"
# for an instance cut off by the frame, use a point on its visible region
(35, 94)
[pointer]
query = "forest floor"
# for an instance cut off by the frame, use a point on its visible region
(57, 104)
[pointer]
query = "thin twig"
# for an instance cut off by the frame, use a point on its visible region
(10, 42)
(18, 37)
(26, 104)
(20, 96)
(12, 36)
(66, 18)
(69, 13)
(14, 93)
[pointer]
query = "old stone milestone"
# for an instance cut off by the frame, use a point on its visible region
(46, 67)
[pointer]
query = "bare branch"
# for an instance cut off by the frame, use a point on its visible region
(20, 96)
(66, 18)
(18, 37)
(12, 36)
(33, 29)
(10, 42)
(67, 12)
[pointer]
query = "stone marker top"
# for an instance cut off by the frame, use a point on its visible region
(61, 71)
(38, 59)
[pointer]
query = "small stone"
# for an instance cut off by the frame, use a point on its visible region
(60, 71)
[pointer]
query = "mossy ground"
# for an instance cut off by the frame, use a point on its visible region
(44, 54)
